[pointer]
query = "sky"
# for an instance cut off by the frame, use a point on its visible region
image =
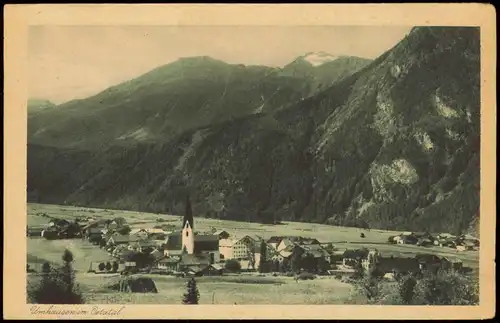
(74, 62)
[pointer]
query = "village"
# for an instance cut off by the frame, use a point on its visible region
(166, 249)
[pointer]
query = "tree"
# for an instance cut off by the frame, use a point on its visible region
(309, 263)
(406, 288)
(233, 265)
(57, 285)
(296, 261)
(263, 257)
(192, 294)
(102, 266)
(124, 230)
(369, 287)
(251, 256)
(108, 266)
(115, 266)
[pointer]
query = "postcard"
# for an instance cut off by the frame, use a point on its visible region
(256, 161)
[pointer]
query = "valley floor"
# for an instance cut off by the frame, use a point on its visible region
(240, 289)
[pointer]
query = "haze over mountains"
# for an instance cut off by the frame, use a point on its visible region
(391, 143)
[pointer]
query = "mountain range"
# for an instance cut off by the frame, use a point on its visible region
(391, 143)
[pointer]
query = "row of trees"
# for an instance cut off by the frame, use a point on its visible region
(108, 266)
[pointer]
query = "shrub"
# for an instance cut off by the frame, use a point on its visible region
(102, 266)
(108, 266)
(446, 288)
(233, 265)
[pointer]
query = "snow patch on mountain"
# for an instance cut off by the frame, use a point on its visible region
(318, 58)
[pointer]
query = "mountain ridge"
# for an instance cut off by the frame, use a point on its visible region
(394, 145)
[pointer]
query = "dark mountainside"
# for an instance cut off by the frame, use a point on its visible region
(394, 146)
(186, 94)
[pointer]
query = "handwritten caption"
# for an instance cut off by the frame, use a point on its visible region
(94, 310)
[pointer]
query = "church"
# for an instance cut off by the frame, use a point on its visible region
(189, 245)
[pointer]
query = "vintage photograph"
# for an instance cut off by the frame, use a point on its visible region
(253, 165)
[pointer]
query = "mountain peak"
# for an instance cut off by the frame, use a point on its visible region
(318, 58)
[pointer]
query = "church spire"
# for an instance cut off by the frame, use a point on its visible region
(188, 214)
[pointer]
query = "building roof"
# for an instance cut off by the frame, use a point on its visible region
(217, 266)
(188, 214)
(354, 254)
(275, 239)
(94, 230)
(175, 252)
(228, 242)
(206, 243)
(286, 242)
(136, 230)
(174, 241)
(195, 269)
(191, 260)
(427, 258)
(168, 260)
(123, 238)
(218, 232)
(286, 253)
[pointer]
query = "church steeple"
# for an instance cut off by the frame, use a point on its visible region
(188, 214)
(188, 228)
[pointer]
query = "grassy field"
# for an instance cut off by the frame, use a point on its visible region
(226, 289)
(243, 289)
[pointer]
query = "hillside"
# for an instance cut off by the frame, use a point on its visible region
(37, 105)
(394, 146)
(186, 94)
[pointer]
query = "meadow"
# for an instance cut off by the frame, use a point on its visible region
(241, 289)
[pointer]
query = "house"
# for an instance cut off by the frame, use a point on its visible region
(317, 251)
(190, 260)
(237, 248)
(464, 247)
(407, 239)
(116, 240)
(284, 244)
(112, 225)
(120, 221)
(429, 262)
(167, 263)
(397, 264)
(424, 242)
(274, 241)
(222, 234)
(34, 232)
(214, 270)
(423, 235)
(141, 234)
(145, 246)
(449, 242)
(93, 233)
(453, 264)
(306, 241)
(351, 258)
